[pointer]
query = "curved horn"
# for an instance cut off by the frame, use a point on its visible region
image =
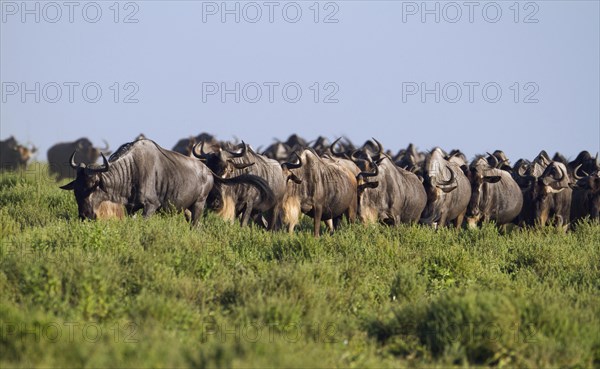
(200, 155)
(101, 169)
(450, 181)
(331, 148)
(575, 175)
(238, 154)
(104, 167)
(495, 161)
(292, 165)
(521, 169)
(353, 156)
(72, 160)
(374, 173)
(379, 147)
(562, 174)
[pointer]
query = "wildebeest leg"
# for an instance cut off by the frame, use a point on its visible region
(318, 213)
(196, 211)
(246, 214)
(459, 219)
(273, 217)
(330, 225)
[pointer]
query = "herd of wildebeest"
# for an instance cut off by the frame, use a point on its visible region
(326, 181)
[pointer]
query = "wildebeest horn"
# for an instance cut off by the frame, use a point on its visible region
(106, 146)
(292, 165)
(451, 180)
(374, 173)
(72, 160)
(562, 175)
(353, 156)
(331, 148)
(379, 147)
(200, 155)
(575, 175)
(521, 169)
(238, 154)
(104, 167)
(495, 162)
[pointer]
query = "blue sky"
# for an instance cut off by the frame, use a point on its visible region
(365, 63)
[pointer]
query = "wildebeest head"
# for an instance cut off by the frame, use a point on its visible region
(555, 179)
(438, 175)
(221, 161)
(369, 169)
(88, 186)
(289, 168)
(479, 172)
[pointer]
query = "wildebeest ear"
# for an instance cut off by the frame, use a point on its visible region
(69, 186)
(492, 179)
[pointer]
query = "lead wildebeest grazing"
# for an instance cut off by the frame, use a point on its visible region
(448, 190)
(494, 193)
(322, 188)
(243, 199)
(143, 175)
(58, 156)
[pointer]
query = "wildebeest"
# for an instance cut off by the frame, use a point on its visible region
(14, 156)
(143, 175)
(448, 191)
(586, 193)
(322, 188)
(546, 196)
(494, 193)
(388, 193)
(58, 156)
(243, 199)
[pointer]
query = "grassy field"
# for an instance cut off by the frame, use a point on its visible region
(157, 293)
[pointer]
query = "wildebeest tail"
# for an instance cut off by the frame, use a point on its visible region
(266, 194)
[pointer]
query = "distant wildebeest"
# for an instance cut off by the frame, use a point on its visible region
(322, 188)
(58, 156)
(495, 196)
(243, 199)
(143, 175)
(14, 156)
(448, 190)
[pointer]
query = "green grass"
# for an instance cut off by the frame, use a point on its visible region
(157, 293)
